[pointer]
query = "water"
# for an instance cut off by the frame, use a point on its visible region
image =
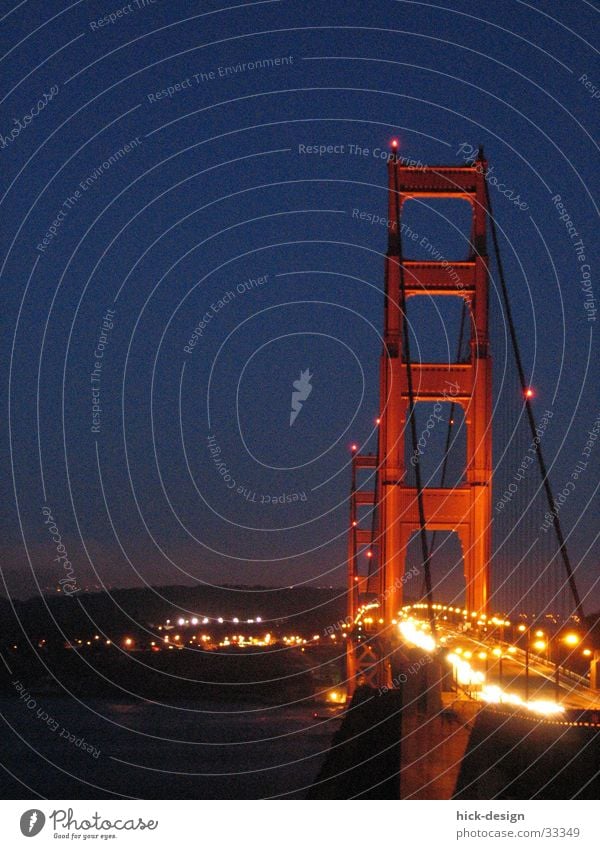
(144, 750)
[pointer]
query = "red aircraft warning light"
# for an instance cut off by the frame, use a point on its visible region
(529, 393)
(354, 448)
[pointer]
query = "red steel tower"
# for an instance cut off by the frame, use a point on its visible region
(400, 509)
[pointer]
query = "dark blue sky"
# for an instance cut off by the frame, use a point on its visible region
(195, 192)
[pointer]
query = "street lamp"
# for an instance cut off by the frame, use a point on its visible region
(540, 644)
(524, 633)
(498, 653)
(571, 639)
(483, 655)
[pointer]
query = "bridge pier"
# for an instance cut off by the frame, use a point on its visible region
(433, 747)
(399, 742)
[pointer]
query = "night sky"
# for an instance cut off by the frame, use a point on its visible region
(165, 205)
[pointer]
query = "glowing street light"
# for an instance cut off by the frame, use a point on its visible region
(572, 639)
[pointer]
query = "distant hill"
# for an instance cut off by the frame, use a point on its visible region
(122, 610)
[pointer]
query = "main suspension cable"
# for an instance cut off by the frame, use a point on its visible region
(530, 417)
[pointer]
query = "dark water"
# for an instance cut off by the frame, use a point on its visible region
(143, 750)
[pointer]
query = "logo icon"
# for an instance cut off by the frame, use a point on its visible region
(32, 822)
(302, 389)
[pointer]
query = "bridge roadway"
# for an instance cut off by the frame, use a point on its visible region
(490, 737)
(508, 673)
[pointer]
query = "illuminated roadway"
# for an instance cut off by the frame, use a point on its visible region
(542, 675)
(490, 669)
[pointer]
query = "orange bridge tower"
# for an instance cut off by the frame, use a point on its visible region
(378, 545)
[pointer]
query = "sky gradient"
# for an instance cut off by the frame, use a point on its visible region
(210, 180)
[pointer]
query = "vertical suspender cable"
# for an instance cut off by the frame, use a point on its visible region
(374, 515)
(519, 363)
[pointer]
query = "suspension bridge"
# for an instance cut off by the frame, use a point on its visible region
(514, 648)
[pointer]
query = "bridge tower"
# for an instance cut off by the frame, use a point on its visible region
(464, 509)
